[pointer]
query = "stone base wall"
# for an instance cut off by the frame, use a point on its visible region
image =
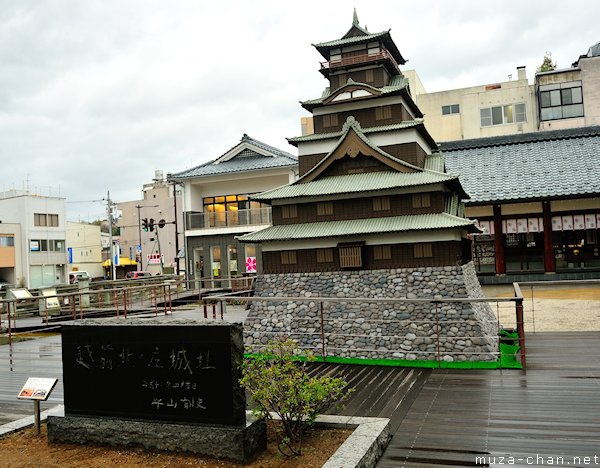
(450, 331)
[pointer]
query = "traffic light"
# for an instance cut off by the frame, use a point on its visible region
(145, 224)
(151, 224)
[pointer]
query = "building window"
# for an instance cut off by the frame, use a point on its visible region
(451, 109)
(324, 208)
(561, 101)
(382, 252)
(381, 204)
(423, 250)
(499, 115)
(330, 120)
(369, 76)
(7, 241)
(383, 112)
(288, 257)
(421, 200)
(43, 220)
(324, 255)
(233, 210)
(289, 211)
(46, 245)
(350, 256)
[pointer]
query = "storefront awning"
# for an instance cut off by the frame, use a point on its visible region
(123, 261)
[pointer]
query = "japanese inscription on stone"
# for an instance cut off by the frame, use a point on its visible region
(167, 373)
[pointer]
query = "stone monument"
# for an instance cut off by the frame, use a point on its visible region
(168, 386)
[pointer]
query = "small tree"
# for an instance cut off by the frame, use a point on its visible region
(547, 64)
(278, 382)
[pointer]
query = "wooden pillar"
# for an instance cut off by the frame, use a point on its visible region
(499, 241)
(549, 260)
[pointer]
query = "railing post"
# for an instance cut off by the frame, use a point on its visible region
(9, 329)
(521, 331)
(323, 352)
(204, 305)
(125, 303)
(223, 307)
(437, 333)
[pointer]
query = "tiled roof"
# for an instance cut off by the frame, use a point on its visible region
(435, 162)
(351, 227)
(535, 166)
(382, 128)
(356, 183)
(397, 83)
(351, 40)
(247, 159)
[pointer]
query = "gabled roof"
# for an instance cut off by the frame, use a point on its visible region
(351, 227)
(528, 167)
(248, 155)
(352, 142)
(396, 84)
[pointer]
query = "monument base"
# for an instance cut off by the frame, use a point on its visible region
(237, 443)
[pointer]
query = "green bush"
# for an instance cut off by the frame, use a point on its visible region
(278, 382)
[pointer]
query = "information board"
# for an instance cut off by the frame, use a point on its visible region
(37, 388)
(163, 373)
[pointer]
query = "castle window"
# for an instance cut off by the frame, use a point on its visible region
(289, 211)
(288, 257)
(421, 200)
(383, 113)
(324, 255)
(423, 250)
(369, 76)
(330, 120)
(382, 252)
(381, 204)
(324, 208)
(350, 256)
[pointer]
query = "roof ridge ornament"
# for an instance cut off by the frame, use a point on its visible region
(351, 122)
(355, 18)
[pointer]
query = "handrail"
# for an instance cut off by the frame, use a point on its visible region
(356, 59)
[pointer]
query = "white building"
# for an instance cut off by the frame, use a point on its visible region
(40, 254)
(84, 248)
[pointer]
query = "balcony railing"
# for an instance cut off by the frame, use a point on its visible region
(358, 59)
(211, 220)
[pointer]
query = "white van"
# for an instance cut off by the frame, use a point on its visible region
(77, 276)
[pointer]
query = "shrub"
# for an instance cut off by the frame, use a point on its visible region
(278, 382)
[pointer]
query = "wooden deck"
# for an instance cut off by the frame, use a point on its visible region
(551, 410)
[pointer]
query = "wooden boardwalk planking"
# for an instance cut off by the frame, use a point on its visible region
(550, 410)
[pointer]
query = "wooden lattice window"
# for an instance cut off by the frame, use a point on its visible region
(324, 255)
(289, 211)
(381, 203)
(324, 208)
(330, 120)
(288, 257)
(383, 113)
(423, 250)
(350, 256)
(421, 200)
(382, 252)
(368, 76)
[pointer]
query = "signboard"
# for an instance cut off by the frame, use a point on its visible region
(177, 373)
(70, 253)
(250, 264)
(34, 245)
(155, 259)
(37, 389)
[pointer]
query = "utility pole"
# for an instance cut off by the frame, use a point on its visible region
(176, 233)
(141, 264)
(113, 267)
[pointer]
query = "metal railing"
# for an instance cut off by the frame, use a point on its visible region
(221, 219)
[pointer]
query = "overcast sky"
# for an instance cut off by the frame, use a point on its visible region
(96, 95)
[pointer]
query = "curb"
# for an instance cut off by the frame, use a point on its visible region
(9, 428)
